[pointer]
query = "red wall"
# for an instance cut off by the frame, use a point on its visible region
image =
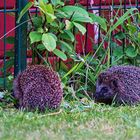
(9, 3)
(103, 2)
(10, 23)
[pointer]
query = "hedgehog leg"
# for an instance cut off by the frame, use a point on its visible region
(17, 92)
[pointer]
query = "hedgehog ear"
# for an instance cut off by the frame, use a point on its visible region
(102, 76)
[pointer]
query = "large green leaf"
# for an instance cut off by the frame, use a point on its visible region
(131, 51)
(101, 21)
(41, 47)
(70, 34)
(69, 24)
(56, 2)
(67, 35)
(48, 10)
(69, 10)
(78, 17)
(49, 42)
(81, 28)
(42, 6)
(118, 52)
(35, 36)
(60, 14)
(65, 46)
(53, 35)
(24, 10)
(60, 54)
(76, 13)
(50, 13)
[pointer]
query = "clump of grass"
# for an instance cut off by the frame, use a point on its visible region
(75, 120)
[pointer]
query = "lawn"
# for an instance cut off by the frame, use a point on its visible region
(72, 122)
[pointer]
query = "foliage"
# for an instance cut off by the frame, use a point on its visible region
(83, 75)
(52, 33)
(128, 51)
(9, 65)
(78, 118)
(6, 99)
(53, 30)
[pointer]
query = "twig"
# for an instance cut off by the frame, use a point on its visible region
(49, 114)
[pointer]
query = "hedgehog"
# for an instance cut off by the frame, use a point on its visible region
(38, 88)
(119, 85)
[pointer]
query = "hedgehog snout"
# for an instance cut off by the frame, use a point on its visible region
(102, 93)
(97, 96)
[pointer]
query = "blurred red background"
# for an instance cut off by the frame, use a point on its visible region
(92, 31)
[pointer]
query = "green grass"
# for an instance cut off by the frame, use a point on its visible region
(75, 122)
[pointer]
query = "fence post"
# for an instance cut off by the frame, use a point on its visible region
(20, 39)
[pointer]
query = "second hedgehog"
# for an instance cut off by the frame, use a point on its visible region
(38, 87)
(119, 84)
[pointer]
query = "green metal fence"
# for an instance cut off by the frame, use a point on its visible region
(20, 39)
(20, 47)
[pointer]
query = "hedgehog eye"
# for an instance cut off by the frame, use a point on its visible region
(114, 83)
(104, 90)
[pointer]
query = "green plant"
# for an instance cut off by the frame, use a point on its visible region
(128, 52)
(6, 99)
(82, 76)
(53, 30)
(9, 66)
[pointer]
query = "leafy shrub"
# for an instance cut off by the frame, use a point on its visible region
(52, 33)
